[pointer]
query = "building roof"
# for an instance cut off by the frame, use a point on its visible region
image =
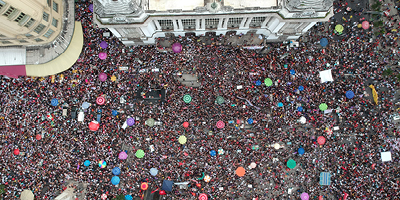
(163, 5)
(12, 56)
(252, 3)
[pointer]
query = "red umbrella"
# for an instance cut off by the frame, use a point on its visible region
(220, 124)
(185, 124)
(101, 100)
(321, 140)
(238, 121)
(144, 186)
(16, 151)
(203, 196)
(162, 192)
(38, 137)
(94, 126)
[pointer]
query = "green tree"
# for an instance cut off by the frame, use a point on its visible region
(2, 190)
(120, 197)
(387, 72)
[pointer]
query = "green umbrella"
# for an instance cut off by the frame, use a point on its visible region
(323, 106)
(187, 98)
(139, 153)
(182, 139)
(291, 164)
(150, 122)
(339, 28)
(268, 82)
(220, 100)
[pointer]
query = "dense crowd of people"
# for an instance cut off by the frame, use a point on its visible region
(351, 154)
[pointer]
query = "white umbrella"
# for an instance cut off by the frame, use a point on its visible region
(253, 165)
(277, 146)
(27, 195)
(302, 120)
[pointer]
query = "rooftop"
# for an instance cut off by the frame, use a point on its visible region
(163, 5)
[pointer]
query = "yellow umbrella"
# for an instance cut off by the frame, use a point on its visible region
(182, 139)
(113, 78)
(359, 26)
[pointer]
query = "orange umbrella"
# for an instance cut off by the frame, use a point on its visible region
(144, 186)
(240, 171)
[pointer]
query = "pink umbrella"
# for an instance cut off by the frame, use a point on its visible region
(100, 100)
(321, 140)
(122, 155)
(103, 76)
(102, 55)
(176, 47)
(203, 196)
(365, 24)
(304, 196)
(185, 124)
(220, 124)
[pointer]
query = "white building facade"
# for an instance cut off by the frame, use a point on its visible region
(140, 22)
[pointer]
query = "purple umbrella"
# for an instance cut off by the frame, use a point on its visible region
(122, 155)
(91, 7)
(102, 55)
(103, 44)
(176, 47)
(103, 76)
(130, 121)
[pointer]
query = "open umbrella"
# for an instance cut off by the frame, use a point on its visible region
(304, 196)
(292, 72)
(277, 146)
(321, 140)
(220, 100)
(101, 100)
(177, 48)
(85, 105)
(122, 155)
(144, 186)
(115, 180)
(102, 76)
(27, 195)
(94, 126)
(220, 124)
(339, 28)
(250, 120)
(128, 197)
(323, 42)
(187, 98)
(102, 55)
(365, 25)
(302, 120)
(86, 163)
(103, 44)
(54, 102)
(114, 112)
(102, 164)
(150, 122)
(203, 196)
(291, 164)
(301, 88)
(91, 7)
(182, 139)
(16, 151)
(300, 151)
(220, 151)
(268, 82)
(207, 178)
(130, 121)
(116, 171)
(185, 124)
(139, 153)
(240, 171)
(213, 153)
(258, 83)
(280, 104)
(253, 165)
(153, 171)
(299, 108)
(323, 106)
(350, 94)
(38, 137)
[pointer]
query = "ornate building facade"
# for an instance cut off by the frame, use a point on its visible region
(138, 22)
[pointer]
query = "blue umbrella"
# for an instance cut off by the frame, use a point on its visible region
(280, 104)
(213, 153)
(54, 102)
(128, 197)
(114, 113)
(85, 105)
(299, 108)
(115, 180)
(292, 72)
(86, 163)
(258, 82)
(301, 88)
(116, 171)
(300, 151)
(323, 42)
(350, 94)
(153, 171)
(250, 121)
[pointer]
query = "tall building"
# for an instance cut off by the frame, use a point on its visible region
(138, 22)
(38, 37)
(29, 22)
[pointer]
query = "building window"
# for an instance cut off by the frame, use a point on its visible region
(55, 6)
(2, 4)
(11, 12)
(189, 23)
(49, 3)
(48, 33)
(23, 41)
(30, 23)
(39, 40)
(54, 22)
(257, 21)
(39, 28)
(45, 16)
(23, 20)
(2, 35)
(166, 24)
(234, 22)
(28, 35)
(212, 23)
(6, 42)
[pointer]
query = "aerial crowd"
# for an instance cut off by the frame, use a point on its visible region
(261, 123)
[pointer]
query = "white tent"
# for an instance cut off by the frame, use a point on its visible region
(386, 156)
(27, 195)
(326, 75)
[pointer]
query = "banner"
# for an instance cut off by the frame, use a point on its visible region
(374, 94)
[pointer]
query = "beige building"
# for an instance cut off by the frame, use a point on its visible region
(29, 22)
